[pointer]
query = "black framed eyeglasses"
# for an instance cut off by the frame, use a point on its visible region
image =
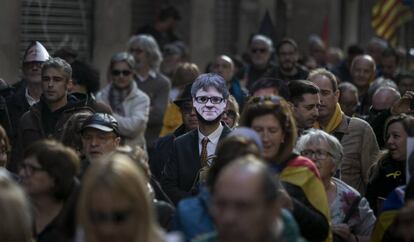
(119, 72)
(115, 217)
(205, 99)
(318, 154)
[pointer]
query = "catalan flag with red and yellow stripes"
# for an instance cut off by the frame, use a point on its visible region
(388, 16)
(301, 172)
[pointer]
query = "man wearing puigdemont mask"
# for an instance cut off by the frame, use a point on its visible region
(194, 150)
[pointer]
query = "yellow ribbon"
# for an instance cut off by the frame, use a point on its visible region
(333, 123)
(394, 174)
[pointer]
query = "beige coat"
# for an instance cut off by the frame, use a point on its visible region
(360, 151)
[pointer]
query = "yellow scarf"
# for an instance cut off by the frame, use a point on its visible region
(334, 122)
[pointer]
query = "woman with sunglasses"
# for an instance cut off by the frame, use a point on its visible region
(130, 106)
(47, 175)
(389, 171)
(270, 116)
(351, 216)
(231, 115)
(115, 205)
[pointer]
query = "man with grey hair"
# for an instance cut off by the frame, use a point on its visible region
(27, 92)
(195, 149)
(382, 101)
(363, 73)
(148, 59)
(348, 98)
(385, 97)
(47, 117)
(260, 51)
(246, 181)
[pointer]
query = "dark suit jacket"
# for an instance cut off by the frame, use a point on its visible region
(183, 165)
(162, 150)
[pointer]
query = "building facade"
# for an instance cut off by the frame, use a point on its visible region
(99, 28)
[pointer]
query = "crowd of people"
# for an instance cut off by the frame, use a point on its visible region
(273, 146)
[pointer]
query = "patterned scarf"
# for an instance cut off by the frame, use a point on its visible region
(117, 97)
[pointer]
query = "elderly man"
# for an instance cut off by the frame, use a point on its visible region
(288, 56)
(356, 136)
(195, 150)
(348, 98)
(28, 91)
(224, 66)
(261, 49)
(249, 183)
(363, 73)
(148, 58)
(382, 101)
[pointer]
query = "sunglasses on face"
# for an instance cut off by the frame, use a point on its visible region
(205, 99)
(260, 50)
(119, 72)
(114, 217)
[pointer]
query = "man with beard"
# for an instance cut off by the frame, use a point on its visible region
(304, 102)
(288, 56)
(195, 150)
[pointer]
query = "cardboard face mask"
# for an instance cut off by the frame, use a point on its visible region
(209, 104)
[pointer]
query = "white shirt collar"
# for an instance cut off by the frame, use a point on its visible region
(29, 98)
(151, 74)
(213, 137)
